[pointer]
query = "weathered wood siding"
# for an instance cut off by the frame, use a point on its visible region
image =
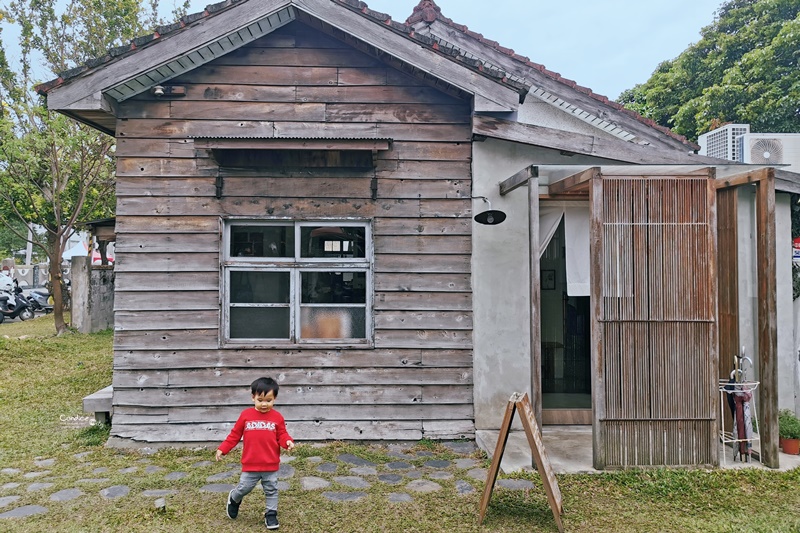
(172, 381)
(657, 371)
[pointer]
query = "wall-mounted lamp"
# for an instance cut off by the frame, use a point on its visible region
(168, 90)
(491, 217)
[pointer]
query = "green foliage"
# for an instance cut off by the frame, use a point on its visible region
(11, 239)
(795, 281)
(55, 172)
(94, 435)
(743, 69)
(788, 425)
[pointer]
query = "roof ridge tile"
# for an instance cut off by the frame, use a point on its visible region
(427, 11)
(219, 6)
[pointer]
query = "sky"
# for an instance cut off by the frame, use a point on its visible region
(606, 45)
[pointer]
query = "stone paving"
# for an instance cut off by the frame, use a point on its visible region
(345, 479)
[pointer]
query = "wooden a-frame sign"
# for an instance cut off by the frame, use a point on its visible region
(523, 403)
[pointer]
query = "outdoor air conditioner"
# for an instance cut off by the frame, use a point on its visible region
(723, 142)
(778, 149)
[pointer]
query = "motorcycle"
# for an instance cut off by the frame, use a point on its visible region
(39, 301)
(13, 304)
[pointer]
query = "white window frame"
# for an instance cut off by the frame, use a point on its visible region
(295, 266)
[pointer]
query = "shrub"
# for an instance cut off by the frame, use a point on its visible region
(788, 425)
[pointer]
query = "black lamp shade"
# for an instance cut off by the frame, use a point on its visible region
(491, 217)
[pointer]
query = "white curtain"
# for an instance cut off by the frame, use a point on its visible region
(576, 232)
(549, 217)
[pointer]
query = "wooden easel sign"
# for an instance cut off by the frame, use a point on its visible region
(523, 403)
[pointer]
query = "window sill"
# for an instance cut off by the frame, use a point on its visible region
(309, 345)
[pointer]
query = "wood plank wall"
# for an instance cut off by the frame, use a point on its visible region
(657, 314)
(728, 275)
(172, 381)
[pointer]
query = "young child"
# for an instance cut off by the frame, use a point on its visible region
(264, 433)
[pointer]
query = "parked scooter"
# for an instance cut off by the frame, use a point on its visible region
(13, 304)
(40, 301)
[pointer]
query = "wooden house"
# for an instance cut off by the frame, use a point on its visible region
(298, 180)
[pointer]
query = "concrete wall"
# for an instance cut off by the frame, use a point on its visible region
(787, 361)
(32, 276)
(500, 261)
(500, 278)
(748, 293)
(748, 290)
(796, 356)
(92, 291)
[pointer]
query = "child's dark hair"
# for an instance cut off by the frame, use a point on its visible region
(263, 386)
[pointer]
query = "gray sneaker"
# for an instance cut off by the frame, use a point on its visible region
(271, 520)
(232, 508)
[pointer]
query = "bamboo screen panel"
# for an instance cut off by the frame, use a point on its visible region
(657, 315)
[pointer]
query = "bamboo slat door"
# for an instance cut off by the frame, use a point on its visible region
(655, 328)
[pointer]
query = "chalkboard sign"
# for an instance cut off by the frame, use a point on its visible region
(543, 466)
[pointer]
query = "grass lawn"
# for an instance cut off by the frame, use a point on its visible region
(45, 377)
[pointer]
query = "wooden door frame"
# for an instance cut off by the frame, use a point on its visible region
(764, 181)
(590, 180)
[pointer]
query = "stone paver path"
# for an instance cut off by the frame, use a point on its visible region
(25, 510)
(115, 491)
(314, 483)
(66, 495)
(38, 486)
(8, 500)
(327, 468)
(415, 473)
(158, 492)
(423, 485)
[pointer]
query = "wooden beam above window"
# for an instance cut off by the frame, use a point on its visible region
(293, 144)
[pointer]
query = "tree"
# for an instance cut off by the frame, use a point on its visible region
(10, 242)
(744, 69)
(55, 172)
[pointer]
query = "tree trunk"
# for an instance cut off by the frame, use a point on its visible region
(55, 251)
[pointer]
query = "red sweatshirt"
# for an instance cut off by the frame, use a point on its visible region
(264, 435)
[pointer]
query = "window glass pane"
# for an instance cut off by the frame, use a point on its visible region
(333, 323)
(334, 287)
(262, 241)
(259, 287)
(333, 242)
(259, 322)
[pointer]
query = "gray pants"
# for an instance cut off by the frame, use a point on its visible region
(269, 482)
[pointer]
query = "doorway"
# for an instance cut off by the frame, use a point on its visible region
(565, 336)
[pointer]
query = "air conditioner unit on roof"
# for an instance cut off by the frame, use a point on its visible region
(722, 142)
(771, 149)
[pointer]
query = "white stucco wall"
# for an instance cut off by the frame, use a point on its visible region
(796, 356)
(500, 277)
(748, 290)
(500, 272)
(787, 361)
(748, 293)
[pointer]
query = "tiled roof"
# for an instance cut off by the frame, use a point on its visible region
(354, 5)
(427, 11)
(134, 45)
